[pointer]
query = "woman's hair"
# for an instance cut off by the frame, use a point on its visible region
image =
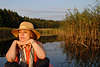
(33, 36)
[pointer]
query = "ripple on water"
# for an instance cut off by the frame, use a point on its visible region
(55, 53)
(2, 61)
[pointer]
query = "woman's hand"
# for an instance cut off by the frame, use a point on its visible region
(20, 44)
(30, 41)
(24, 44)
(40, 52)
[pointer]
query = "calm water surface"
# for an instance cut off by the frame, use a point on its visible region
(60, 58)
(54, 52)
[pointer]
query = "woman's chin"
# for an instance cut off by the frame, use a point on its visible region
(22, 40)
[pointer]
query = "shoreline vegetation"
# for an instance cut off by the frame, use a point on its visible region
(82, 29)
(82, 35)
(79, 30)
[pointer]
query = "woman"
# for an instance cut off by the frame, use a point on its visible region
(26, 51)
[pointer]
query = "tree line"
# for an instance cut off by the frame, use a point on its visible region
(11, 19)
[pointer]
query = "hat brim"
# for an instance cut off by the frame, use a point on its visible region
(15, 32)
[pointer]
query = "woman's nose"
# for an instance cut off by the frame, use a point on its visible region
(22, 34)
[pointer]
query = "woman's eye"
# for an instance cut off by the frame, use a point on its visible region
(19, 32)
(25, 32)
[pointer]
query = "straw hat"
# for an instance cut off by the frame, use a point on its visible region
(27, 26)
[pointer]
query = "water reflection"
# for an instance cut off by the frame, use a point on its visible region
(82, 57)
(54, 52)
(62, 55)
(4, 45)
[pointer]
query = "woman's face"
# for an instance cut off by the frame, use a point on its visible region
(24, 35)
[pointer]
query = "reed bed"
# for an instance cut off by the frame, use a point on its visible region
(81, 33)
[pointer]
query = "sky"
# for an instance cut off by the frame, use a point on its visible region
(45, 9)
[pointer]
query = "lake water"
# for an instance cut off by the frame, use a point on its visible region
(54, 53)
(59, 58)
